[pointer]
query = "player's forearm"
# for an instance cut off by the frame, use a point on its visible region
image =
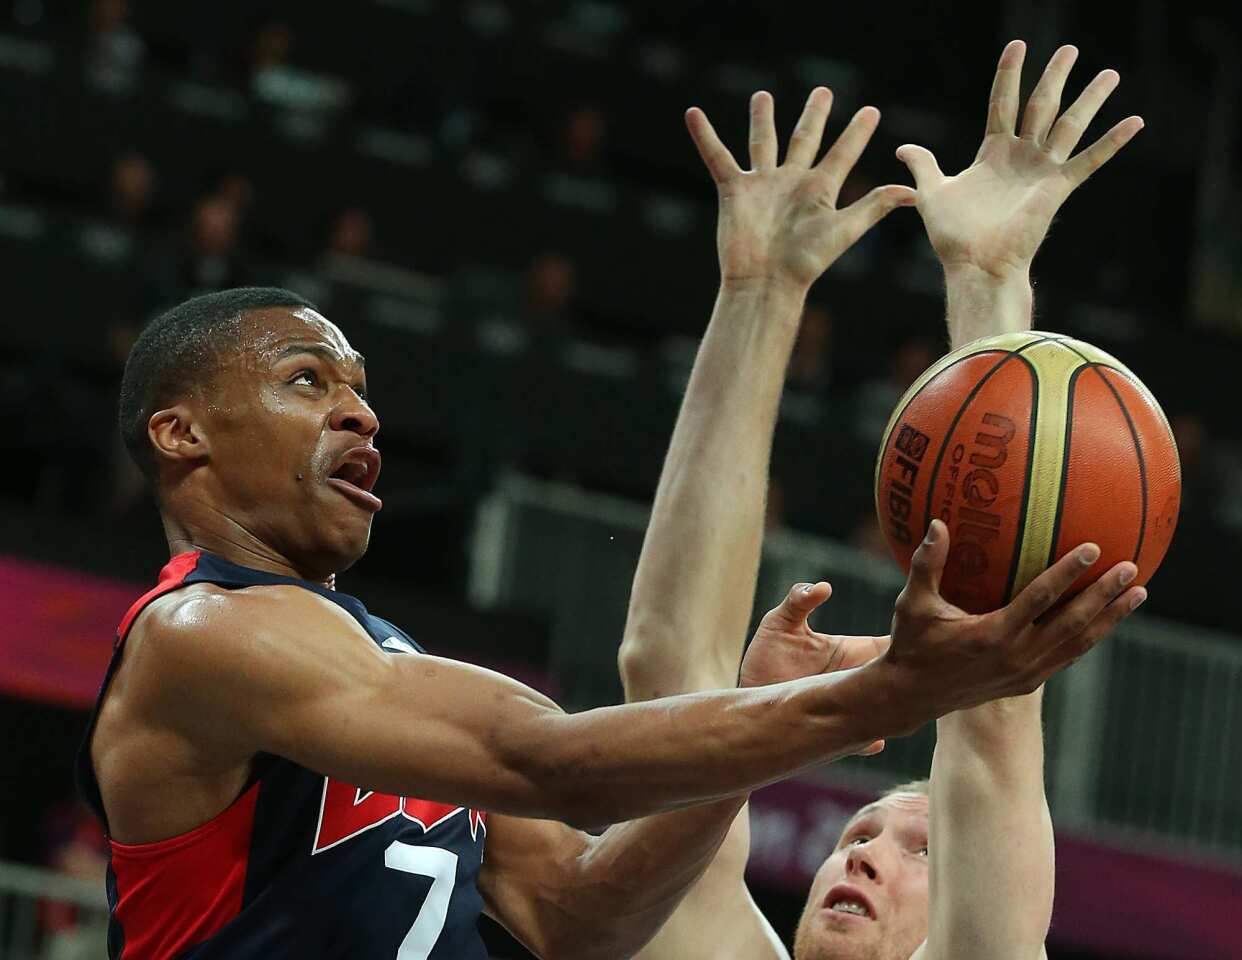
(992, 844)
(629, 880)
(619, 763)
(980, 303)
(695, 582)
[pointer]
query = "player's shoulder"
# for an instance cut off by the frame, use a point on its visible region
(206, 622)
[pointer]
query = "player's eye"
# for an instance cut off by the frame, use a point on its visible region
(856, 840)
(922, 851)
(307, 376)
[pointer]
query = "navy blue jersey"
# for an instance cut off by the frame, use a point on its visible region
(299, 865)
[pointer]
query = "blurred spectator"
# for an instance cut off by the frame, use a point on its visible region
(274, 79)
(774, 506)
(131, 190)
(115, 52)
(582, 139)
(875, 399)
(550, 291)
(74, 845)
(206, 259)
(351, 234)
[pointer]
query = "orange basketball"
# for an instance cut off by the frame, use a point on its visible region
(1026, 445)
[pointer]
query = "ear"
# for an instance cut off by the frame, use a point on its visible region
(177, 436)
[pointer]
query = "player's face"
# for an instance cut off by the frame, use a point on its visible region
(288, 408)
(879, 866)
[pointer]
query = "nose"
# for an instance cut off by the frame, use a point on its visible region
(861, 862)
(354, 414)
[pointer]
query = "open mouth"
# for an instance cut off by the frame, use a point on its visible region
(849, 901)
(354, 477)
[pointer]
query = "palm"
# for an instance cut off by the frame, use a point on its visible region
(995, 213)
(785, 647)
(781, 220)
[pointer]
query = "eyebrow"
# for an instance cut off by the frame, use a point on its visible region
(318, 350)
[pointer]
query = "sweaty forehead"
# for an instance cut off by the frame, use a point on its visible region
(269, 331)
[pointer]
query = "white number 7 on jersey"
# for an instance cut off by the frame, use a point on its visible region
(441, 867)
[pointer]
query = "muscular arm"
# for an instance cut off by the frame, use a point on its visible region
(991, 840)
(279, 670)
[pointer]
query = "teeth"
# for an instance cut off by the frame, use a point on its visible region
(850, 906)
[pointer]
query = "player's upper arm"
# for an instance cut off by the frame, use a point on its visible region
(718, 916)
(279, 670)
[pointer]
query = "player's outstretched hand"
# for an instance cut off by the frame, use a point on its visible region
(785, 647)
(962, 659)
(995, 213)
(779, 221)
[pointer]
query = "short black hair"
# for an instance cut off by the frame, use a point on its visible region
(180, 349)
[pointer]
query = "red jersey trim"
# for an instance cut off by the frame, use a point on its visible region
(175, 893)
(171, 577)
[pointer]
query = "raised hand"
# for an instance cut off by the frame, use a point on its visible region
(1011, 651)
(995, 213)
(785, 647)
(780, 221)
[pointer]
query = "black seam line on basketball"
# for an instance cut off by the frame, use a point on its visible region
(1138, 448)
(1020, 539)
(931, 482)
(906, 406)
(1065, 458)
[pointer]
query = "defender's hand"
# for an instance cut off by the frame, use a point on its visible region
(995, 213)
(780, 222)
(785, 647)
(956, 660)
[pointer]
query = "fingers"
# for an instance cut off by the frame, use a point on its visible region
(840, 160)
(1045, 102)
(922, 165)
(875, 206)
(1078, 614)
(1003, 102)
(799, 603)
(927, 564)
(809, 133)
(1073, 123)
(716, 156)
(1099, 153)
(762, 131)
(1069, 652)
(1045, 590)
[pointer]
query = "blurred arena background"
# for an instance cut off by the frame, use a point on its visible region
(499, 204)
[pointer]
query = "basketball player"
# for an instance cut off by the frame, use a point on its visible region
(962, 868)
(284, 774)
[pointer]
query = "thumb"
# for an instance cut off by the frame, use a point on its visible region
(799, 603)
(922, 165)
(927, 564)
(876, 205)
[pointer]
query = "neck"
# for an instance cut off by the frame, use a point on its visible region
(225, 537)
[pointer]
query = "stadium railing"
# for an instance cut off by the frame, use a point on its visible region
(1144, 735)
(50, 916)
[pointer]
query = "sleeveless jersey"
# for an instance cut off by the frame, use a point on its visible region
(299, 865)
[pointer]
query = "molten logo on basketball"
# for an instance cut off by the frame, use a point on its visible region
(976, 527)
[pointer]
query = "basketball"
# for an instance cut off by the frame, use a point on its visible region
(1026, 445)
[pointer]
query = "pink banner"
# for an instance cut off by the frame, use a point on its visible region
(58, 630)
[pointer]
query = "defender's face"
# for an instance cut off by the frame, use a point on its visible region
(869, 899)
(292, 456)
